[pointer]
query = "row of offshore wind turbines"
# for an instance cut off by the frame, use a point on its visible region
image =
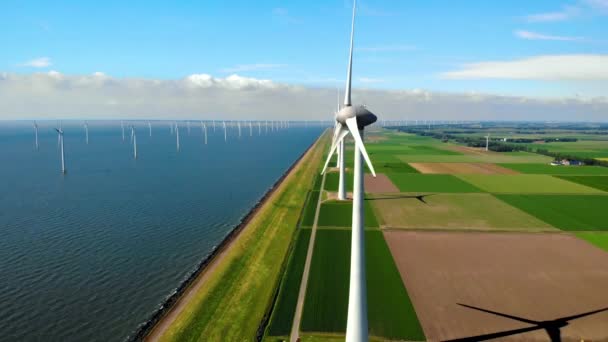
(250, 128)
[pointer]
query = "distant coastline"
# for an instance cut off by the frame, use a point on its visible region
(146, 328)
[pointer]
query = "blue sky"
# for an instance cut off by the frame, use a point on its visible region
(400, 44)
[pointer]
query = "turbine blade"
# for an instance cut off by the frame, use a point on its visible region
(334, 145)
(347, 101)
(354, 130)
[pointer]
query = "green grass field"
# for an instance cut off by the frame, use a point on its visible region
(453, 212)
(308, 215)
(526, 184)
(599, 239)
(240, 289)
(332, 181)
(567, 212)
(598, 182)
(390, 312)
(285, 307)
(496, 158)
(557, 170)
(339, 214)
(430, 183)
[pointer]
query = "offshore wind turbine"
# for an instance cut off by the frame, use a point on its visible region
(177, 135)
(239, 124)
(353, 119)
(122, 126)
(150, 128)
(225, 134)
(134, 142)
(86, 132)
(36, 135)
(250, 129)
(60, 135)
(259, 128)
(204, 128)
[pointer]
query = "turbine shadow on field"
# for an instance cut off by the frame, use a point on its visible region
(418, 197)
(552, 327)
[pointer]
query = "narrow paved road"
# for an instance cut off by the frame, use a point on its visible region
(297, 318)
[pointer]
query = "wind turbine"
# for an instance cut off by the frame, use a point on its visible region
(60, 135)
(353, 119)
(86, 132)
(487, 142)
(239, 124)
(150, 128)
(259, 128)
(250, 129)
(122, 126)
(36, 134)
(225, 134)
(134, 142)
(177, 135)
(204, 128)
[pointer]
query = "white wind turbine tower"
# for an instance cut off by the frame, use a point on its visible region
(86, 132)
(487, 142)
(122, 126)
(239, 124)
(259, 128)
(204, 128)
(177, 135)
(60, 135)
(250, 129)
(353, 119)
(134, 142)
(213, 125)
(150, 128)
(225, 134)
(36, 134)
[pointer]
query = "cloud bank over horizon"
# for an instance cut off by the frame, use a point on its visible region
(53, 95)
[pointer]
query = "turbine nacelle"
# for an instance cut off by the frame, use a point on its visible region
(363, 115)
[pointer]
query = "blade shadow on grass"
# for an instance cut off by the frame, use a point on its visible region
(418, 197)
(551, 327)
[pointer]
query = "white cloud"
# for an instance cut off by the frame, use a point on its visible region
(553, 67)
(41, 62)
(54, 95)
(529, 35)
(567, 12)
(253, 67)
(601, 5)
(387, 48)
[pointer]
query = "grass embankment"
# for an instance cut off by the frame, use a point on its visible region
(390, 312)
(232, 302)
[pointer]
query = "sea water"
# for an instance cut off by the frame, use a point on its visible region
(90, 255)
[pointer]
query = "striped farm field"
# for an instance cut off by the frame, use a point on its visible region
(414, 182)
(526, 184)
(390, 312)
(547, 169)
(566, 212)
(598, 182)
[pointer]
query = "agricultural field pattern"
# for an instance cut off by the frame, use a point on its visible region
(457, 239)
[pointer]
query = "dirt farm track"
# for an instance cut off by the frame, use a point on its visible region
(535, 277)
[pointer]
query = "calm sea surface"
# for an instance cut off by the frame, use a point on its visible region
(90, 255)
